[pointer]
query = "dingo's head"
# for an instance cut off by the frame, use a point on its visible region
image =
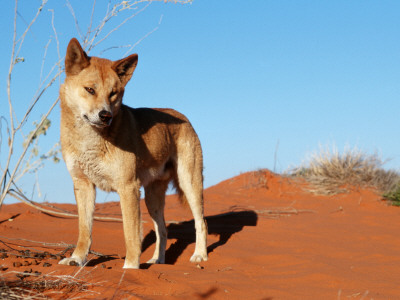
(94, 86)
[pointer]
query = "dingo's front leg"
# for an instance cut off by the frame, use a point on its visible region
(85, 195)
(130, 207)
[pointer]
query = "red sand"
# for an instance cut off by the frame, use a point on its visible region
(268, 239)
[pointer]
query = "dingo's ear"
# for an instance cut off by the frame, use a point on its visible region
(125, 67)
(76, 59)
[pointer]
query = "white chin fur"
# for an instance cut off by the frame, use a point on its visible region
(96, 123)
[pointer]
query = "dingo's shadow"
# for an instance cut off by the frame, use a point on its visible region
(224, 225)
(100, 260)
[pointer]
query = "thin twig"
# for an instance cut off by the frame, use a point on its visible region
(119, 284)
(91, 20)
(117, 27)
(44, 59)
(78, 29)
(53, 245)
(284, 211)
(29, 110)
(58, 45)
(31, 203)
(144, 37)
(45, 244)
(35, 165)
(22, 38)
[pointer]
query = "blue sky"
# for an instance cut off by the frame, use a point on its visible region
(254, 77)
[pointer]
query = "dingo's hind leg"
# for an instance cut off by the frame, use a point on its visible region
(155, 202)
(190, 181)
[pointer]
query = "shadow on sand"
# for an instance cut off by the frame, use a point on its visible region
(223, 225)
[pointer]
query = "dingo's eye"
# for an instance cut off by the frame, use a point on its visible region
(89, 90)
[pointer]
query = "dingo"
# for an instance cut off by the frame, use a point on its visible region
(111, 146)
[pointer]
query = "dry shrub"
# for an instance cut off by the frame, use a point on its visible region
(330, 172)
(44, 287)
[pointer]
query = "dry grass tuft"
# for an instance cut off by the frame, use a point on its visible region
(43, 287)
(330, 172)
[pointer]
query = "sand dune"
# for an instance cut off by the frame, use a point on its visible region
(268, 239)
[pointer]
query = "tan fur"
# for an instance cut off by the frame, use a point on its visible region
(111, 146)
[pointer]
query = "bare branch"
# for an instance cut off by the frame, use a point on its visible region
(117, 27)
(33, 204)
(116, 9)
(37, 164)
(91, 19)
(10, 106)
(5, 191)
(58, 44)
(38, 98)
(146, 36)
(22, 38)
(78, 29)
(62, 244)
(44, 59)
(14, 55)
(114, 47)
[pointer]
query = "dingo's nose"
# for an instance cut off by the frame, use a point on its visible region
(105, 116)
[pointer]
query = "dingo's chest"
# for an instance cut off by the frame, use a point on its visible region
(94, 162)
(97, 168)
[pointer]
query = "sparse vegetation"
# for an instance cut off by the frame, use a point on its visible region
(42, 286)
(393, 195)
(24, 277)
(330, 172)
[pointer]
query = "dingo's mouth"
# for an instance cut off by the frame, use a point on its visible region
(99, 123)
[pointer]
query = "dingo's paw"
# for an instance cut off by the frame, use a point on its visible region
(71, 261)
(196, 258)
(156, 261)
(129, 265)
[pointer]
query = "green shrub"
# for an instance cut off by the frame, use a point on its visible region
(393, 195)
